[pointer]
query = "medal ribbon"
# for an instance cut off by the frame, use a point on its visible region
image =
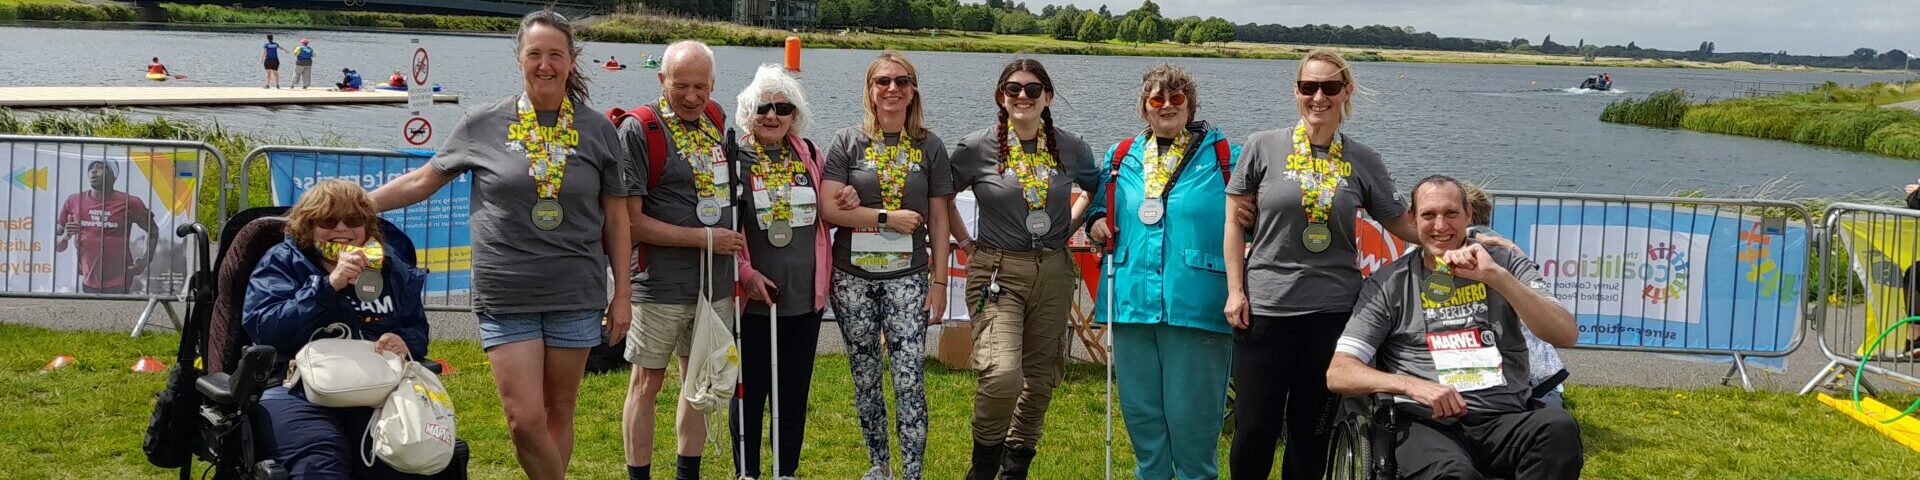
(547, 148)
(778, 176)
(1035, 170)
(700, 148)
(885, 160)
(1159, 167)
(1319, 177)
(376, 255)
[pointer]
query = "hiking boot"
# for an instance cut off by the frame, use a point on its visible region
(986, 461)
(1017, 461)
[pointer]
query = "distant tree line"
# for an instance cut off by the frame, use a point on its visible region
(1146, 24)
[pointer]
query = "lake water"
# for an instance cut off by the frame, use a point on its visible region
(1518, 127)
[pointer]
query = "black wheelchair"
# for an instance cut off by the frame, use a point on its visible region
(219, 374)
(1365, 433)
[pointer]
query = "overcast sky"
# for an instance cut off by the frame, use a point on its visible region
(1801, 27)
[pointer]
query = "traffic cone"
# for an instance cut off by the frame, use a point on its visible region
(148, 364)
(57, 363)
(445, 368)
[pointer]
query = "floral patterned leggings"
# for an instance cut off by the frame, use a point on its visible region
(866, 310)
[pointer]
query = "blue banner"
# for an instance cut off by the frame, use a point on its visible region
(1680, 277)
(437, 226)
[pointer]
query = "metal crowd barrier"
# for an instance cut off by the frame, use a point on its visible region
(437, 226)
(93, 218)
(1670, 274)
(1874, 254)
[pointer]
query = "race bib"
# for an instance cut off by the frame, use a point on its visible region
(875, 252)
(1466, 359)
(802, 201)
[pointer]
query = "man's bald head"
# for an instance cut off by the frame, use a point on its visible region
(686, 78)
(686, 54)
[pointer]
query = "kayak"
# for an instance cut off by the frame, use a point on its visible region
(653, 64)
(402, 88)
(158, 77)
(614, 67)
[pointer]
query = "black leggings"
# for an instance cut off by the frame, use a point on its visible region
(1280, 377)
(798, 337)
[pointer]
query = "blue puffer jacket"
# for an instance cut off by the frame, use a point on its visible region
(289, 298)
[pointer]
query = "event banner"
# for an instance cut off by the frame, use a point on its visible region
(97, 218)
(1665, 276)
(437, 226)
(1885, 257)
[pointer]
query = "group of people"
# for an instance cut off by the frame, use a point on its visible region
(350, 80)
(1227, 261)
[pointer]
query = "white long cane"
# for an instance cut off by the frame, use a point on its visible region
(740, 388)
(773, 341)
(1106, 290)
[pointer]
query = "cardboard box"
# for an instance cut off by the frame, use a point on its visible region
(955, 347)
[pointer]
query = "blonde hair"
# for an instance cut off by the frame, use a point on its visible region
(1170, 78)
(328, 200)
(1346, 75)
(915, 125)
(1479, 204)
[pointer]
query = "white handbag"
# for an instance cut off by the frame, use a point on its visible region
(713, 366)
(414, 431)
(338, 372)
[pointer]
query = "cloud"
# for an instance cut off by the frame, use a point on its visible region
(1797, 26)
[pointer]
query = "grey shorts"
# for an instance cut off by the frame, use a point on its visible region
(564, 329)
(660, 332)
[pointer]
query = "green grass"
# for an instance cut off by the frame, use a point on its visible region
(1661, 109)
(1853, 118)
(85, 421)
(647, 28)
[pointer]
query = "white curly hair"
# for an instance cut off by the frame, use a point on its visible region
(771, 79)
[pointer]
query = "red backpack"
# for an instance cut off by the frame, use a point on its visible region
(657, 148)
(1221, 152)
(657, 133)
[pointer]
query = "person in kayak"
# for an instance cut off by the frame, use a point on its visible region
(154, 67)
(613, 63)
(350, 81)
(397, 80)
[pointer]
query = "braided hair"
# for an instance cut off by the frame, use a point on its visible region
(1046, 114)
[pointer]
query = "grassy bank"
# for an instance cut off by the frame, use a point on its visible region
(85, 421)
(648, 28)
(1852, 118)
(117, 124)
(69, 11)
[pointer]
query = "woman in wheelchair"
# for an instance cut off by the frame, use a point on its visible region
(329, 279)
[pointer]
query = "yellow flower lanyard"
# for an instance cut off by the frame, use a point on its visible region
(778, 175)
(891, 164)
(368, 286)
(700, 148)
(547, 149)
(1035, 170)
(1159, 167)
(1319, 181)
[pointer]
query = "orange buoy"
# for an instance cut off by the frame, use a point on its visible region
(793, 54)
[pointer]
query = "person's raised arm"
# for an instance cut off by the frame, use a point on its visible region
(411, 188)
(1538, 311)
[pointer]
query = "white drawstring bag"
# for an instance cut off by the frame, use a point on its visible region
(713, 366)
(414, 431)
(339, 372)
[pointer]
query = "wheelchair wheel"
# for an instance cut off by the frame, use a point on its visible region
(1350, 457)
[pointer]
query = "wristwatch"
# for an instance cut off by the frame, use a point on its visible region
(883, 219)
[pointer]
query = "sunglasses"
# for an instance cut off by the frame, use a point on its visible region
(352, 222)
(1329, 87)
(1158, 101)
(1014, 89)
(903, 81)
(781, 109)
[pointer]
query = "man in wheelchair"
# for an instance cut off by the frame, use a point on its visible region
(1443, 325)
(330, 278)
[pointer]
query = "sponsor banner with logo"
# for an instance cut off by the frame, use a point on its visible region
(96, 218)
(1650, 275)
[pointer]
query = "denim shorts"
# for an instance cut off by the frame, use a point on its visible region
(565, 329)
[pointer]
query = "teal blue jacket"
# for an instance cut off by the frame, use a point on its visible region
(1172, 272)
